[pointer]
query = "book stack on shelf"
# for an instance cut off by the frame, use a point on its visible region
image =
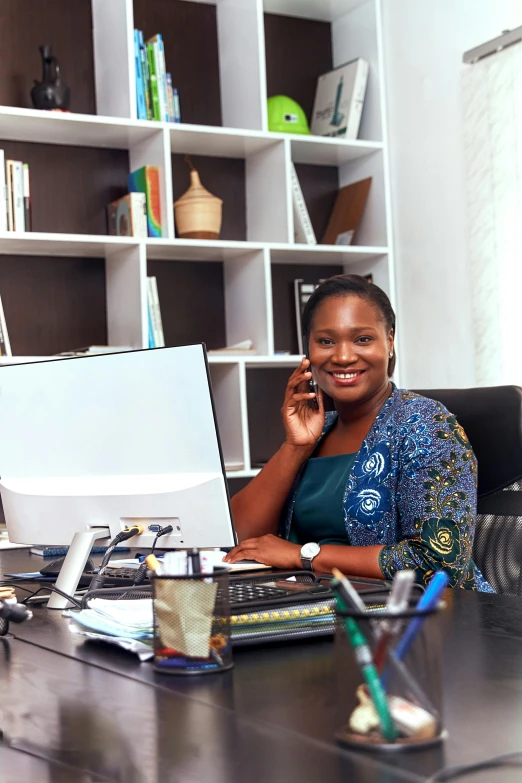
(156, 98)
(137, 214)
(15, 195)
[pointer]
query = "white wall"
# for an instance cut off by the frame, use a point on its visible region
(423, 45)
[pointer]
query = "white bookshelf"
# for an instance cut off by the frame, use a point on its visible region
(247, 265)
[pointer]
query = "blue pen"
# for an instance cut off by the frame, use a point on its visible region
(427, 602)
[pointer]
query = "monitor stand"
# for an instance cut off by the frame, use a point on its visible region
(73, 566)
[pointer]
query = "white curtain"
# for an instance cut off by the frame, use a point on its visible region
(492, 118)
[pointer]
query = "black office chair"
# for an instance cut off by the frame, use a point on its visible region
(492, 419)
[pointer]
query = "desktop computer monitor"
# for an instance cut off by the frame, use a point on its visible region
(91, 445)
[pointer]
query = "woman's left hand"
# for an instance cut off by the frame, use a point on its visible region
(270, 550)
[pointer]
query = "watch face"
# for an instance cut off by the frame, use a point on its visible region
(310, 550)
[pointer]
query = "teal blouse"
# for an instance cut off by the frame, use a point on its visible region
(318, 511)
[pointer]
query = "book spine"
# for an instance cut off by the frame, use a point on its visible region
(176, 106)
(170, 98)
(27, 199)
(357, 102)
(163, 78)
(146, 77)
(156, 314)
(152, 343)
(5, 345)
(159, 59)
(10, 203)
(154, 91)
(18, 196)
(3, 194)
(303, 228)
(140, 92)
(136, 202)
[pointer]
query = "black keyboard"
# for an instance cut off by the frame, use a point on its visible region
(115, 576)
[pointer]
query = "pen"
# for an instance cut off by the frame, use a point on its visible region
(396, 603)
(427, 601)
(363, 657)
(348, 592)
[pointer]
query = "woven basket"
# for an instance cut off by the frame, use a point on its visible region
(198, 213)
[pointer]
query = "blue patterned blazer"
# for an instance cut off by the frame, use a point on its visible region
(412, 489)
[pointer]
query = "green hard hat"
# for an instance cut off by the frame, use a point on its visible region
(286, 116)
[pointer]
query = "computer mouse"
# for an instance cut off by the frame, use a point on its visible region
(53, 568)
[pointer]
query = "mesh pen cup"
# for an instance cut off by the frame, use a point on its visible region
(192, 623)
(389, 684)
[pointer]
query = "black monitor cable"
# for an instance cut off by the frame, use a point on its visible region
(142, 570)
(128, 532)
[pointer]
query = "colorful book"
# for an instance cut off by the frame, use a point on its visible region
(27, 199)
(127, 216)
(146, 180)
(161, 74)
(153, 82)
(177, 108)
(170, 98)
(5, 345)
(339, 100)
(146, 77)
(152, 344)
(303, 229)
(141, 107)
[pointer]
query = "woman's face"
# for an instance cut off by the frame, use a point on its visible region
(349, 348)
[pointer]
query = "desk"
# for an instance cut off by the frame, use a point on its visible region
(271, 719)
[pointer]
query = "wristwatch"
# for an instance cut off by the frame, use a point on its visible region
(308, 552)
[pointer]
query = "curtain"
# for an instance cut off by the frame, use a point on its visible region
(492, 123)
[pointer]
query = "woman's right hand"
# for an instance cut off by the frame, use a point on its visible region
(303, 424)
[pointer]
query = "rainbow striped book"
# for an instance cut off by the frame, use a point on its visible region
(146, 180)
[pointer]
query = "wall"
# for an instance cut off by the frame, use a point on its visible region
(423, 45)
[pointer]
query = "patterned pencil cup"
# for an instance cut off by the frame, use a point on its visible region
(192, 623)
(389, 693)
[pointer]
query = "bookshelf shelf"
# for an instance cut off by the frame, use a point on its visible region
(65, 245)
(227, 55)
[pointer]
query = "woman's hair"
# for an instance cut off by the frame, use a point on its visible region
(351, 285)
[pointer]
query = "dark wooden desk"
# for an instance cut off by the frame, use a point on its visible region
(76, 706)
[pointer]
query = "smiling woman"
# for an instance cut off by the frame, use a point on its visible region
(384, 482)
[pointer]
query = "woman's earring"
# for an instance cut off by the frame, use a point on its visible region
(391, 354)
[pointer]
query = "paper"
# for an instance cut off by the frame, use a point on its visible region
(184, 613)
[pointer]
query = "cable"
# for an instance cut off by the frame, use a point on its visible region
(142, 570)
(127, 532)
(455, 772)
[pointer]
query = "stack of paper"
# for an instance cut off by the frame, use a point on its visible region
(128, 619)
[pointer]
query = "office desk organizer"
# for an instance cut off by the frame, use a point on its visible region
(192, 623)
(410, 683)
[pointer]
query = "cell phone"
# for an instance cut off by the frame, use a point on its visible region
(312, 385)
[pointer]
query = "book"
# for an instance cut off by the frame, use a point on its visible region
(152, 343)
(161, 73)
(153, 83)
(146, 180)
(127, 216)
(339, 100)
(157, 326)
(177, 108)
(18, 196)
(302, 293)
(146, 77)
(27, 199)
(5, 345)
(9, 188)
(3, 194)
(170, 98)
(141, 107)
(303, 229)
(347, 213)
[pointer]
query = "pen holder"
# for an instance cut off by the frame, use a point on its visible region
(192, 623)
(390, 700)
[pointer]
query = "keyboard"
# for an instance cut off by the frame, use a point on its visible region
(115, 576)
